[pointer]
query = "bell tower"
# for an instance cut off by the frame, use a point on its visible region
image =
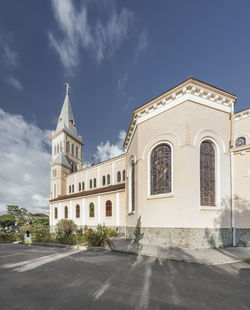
(66, 149)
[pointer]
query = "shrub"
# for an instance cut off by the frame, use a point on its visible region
(96, 237)
(22, 232)
(65, 231)
(8, 236)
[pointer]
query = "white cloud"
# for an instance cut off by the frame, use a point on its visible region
(107, 150)
(24, 164)
(142, 44)
(101, 38)
(10, 56)
(14, 82)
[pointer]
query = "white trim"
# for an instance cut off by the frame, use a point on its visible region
(163, 195)
(113, 173)
(190, 92)
(83, 212)
(117, 203)
(99, 209)
(217, 175)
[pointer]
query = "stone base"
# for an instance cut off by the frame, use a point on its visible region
(192, 238)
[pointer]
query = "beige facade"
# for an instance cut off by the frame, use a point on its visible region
(181, 120)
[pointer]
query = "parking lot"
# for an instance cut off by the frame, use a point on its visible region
(63, 278)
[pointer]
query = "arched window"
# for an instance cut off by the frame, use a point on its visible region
(123, 175)
(83, 186)
(66, 212)
(77, 211)
(80, 186)
(160, 172)
(119, 176)
(94, 182)
(70, 189)
(91, 210)
(108, 179)
(108, 208)
(73, 189)
(72, 149)
(132, 186)
(67, 146)
(207, 174)
(240, 141)
(103, 180)
(56, 213)
(90, 183)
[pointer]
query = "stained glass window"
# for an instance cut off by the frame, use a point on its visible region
(160, 177)
(77, 211)
(108, 208)
(133, 186)
(66, 212)
(91, 209)
(207, 174)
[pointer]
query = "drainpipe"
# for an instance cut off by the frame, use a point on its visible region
(232, 175)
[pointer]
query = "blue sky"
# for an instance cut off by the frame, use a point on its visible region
(116, 55)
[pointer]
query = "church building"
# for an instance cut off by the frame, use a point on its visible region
(184, 178)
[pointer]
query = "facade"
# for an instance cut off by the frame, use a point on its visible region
(183, 181)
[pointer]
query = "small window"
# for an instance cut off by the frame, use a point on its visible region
(70, 189)
(94, 182)
(56, 213)
(77, 211)
(119, 176)
(83, 186)
(108, 179)
(76, 152)
(103, 180)
(240, 141)
(67, 147)
(90, 183)
(66, 212)
(57, 148)
(72, 149)
(80, 187)
(91, 210)
(123, 175)
(108, 208)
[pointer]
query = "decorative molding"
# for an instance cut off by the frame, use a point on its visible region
(241, 115)
(189, 92)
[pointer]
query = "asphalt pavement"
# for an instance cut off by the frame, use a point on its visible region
(64, 278)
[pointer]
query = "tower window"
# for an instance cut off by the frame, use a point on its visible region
(76, 152)
(83, 186)
(80, 186)
(67, 146)
(103, 180)
(69, 188)
(119, 176)
(123, 175)
(94, 182)
(72, 188)
(72, 149)
(90, 183)
(108, 179)
(57, 148)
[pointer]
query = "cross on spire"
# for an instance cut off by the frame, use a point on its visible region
(67, 88)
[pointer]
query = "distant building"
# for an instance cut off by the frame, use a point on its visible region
(184, 177)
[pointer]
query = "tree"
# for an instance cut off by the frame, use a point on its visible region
(7, 220)
(21, 215)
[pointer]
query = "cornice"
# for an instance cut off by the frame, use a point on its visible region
(189, 90)
(242, 114)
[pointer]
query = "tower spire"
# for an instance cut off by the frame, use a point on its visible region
(67, 88)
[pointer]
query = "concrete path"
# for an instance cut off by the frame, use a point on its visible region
(200, 256)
